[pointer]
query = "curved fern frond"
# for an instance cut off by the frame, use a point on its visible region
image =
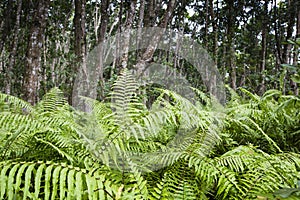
(14, 104)
(48, 180)
(52, 101)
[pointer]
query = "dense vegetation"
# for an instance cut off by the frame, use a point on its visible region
(248, 151)
(123, 140)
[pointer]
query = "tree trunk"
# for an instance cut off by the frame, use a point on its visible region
(230, 35)
(289, 31)
(80, 87)
(296, 52)
(102, 32)
(6, 24)
(206, 24)
(140, 24)
(292, 6)
(34, 48)
(214, 19)
(148, 54)
(79, 23)
(277, 34)
(262, 87)
(12, 57)
(126, 34)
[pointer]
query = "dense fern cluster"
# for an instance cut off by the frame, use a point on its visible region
(177, 149)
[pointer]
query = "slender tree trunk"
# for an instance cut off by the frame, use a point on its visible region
(292, 6)
(277, 33)
(6, 24)
(148, 54)
(298, 20)
(12, 57)
(35, 43)
(126, 34)
(263, 49)
(296, 52)
(289, 32)
(140, 24)
(277, 50)
(230, 34)
(215, 31)
(80, 86)
(214, 19)
(103, 28)
(206, 24)
(79, 23)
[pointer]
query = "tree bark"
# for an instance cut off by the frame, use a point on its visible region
(287, 53)
(6, 24)
(140, 24)
(214, 18)
(296, 52)
(230, 33)
(148, 54)
(126, 33)
(79, 23)
(103, 28)
(34, 48)
(206, 24)
(289, 31)
(12, 57)
(263, 48)
(80, 86)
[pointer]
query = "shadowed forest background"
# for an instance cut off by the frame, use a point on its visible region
(177, 148)
(43, 43)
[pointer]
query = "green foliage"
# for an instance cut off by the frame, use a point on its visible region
(270, 121)
(175, 150)
(49, 180)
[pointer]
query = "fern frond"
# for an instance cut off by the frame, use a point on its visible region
(52, 101)
(253, 97)
(52, 180)
(15, 104)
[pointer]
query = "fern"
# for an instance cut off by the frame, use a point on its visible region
(48, 180)
(178, 149)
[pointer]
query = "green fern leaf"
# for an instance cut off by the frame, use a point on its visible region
(10, 182)
(27, 186)
(55, 176)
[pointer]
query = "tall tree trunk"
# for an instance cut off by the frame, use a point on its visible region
(126, 33)
(6, 23)
(148, 53)
(214, 18)
(262, 87)
(277, 33)
(296, 52)
(287, 53)
(34, 48)
(80, 87)
(298, 20)
(79, 23)
(230, 35)
(277, 50)
(206, 24)
(99, 68)
(12, 57)
(289, 31)
(140, 24)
